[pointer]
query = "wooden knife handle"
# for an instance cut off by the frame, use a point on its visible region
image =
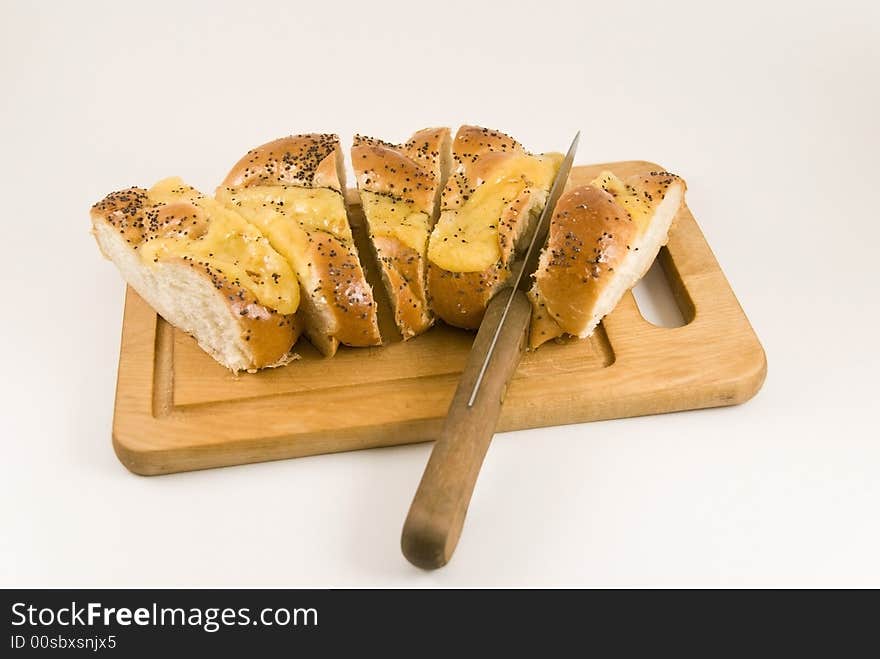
(437, 513)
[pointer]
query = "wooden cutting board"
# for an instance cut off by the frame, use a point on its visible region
(178, 410)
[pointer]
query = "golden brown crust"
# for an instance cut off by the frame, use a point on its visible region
(404, 269)
(338, 283)
(430, 147)
(309, 161)
(459, 298)
(268, 339)
(590, 235)
(139, 219)
(410, 173)
(542, 328)
(476, 152)
(654, 185)
(512, 223)
(342, 284)
(269, 335)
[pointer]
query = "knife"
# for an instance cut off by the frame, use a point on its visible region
(436, 516)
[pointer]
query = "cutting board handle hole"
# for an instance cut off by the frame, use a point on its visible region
(655, 298)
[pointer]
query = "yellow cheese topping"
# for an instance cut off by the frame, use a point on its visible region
(287, 214)
(638, 207)
(394, 218)
(467, 239)
(228, 244)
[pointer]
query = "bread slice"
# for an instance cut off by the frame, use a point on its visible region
(399, 187)
(204, 269)
(603, 238)
(292, 189)
(495, 192)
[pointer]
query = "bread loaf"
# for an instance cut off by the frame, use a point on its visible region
(273, 254)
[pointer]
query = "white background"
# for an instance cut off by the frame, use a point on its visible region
(769, 110)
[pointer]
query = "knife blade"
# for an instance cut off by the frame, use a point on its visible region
(439, 507)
